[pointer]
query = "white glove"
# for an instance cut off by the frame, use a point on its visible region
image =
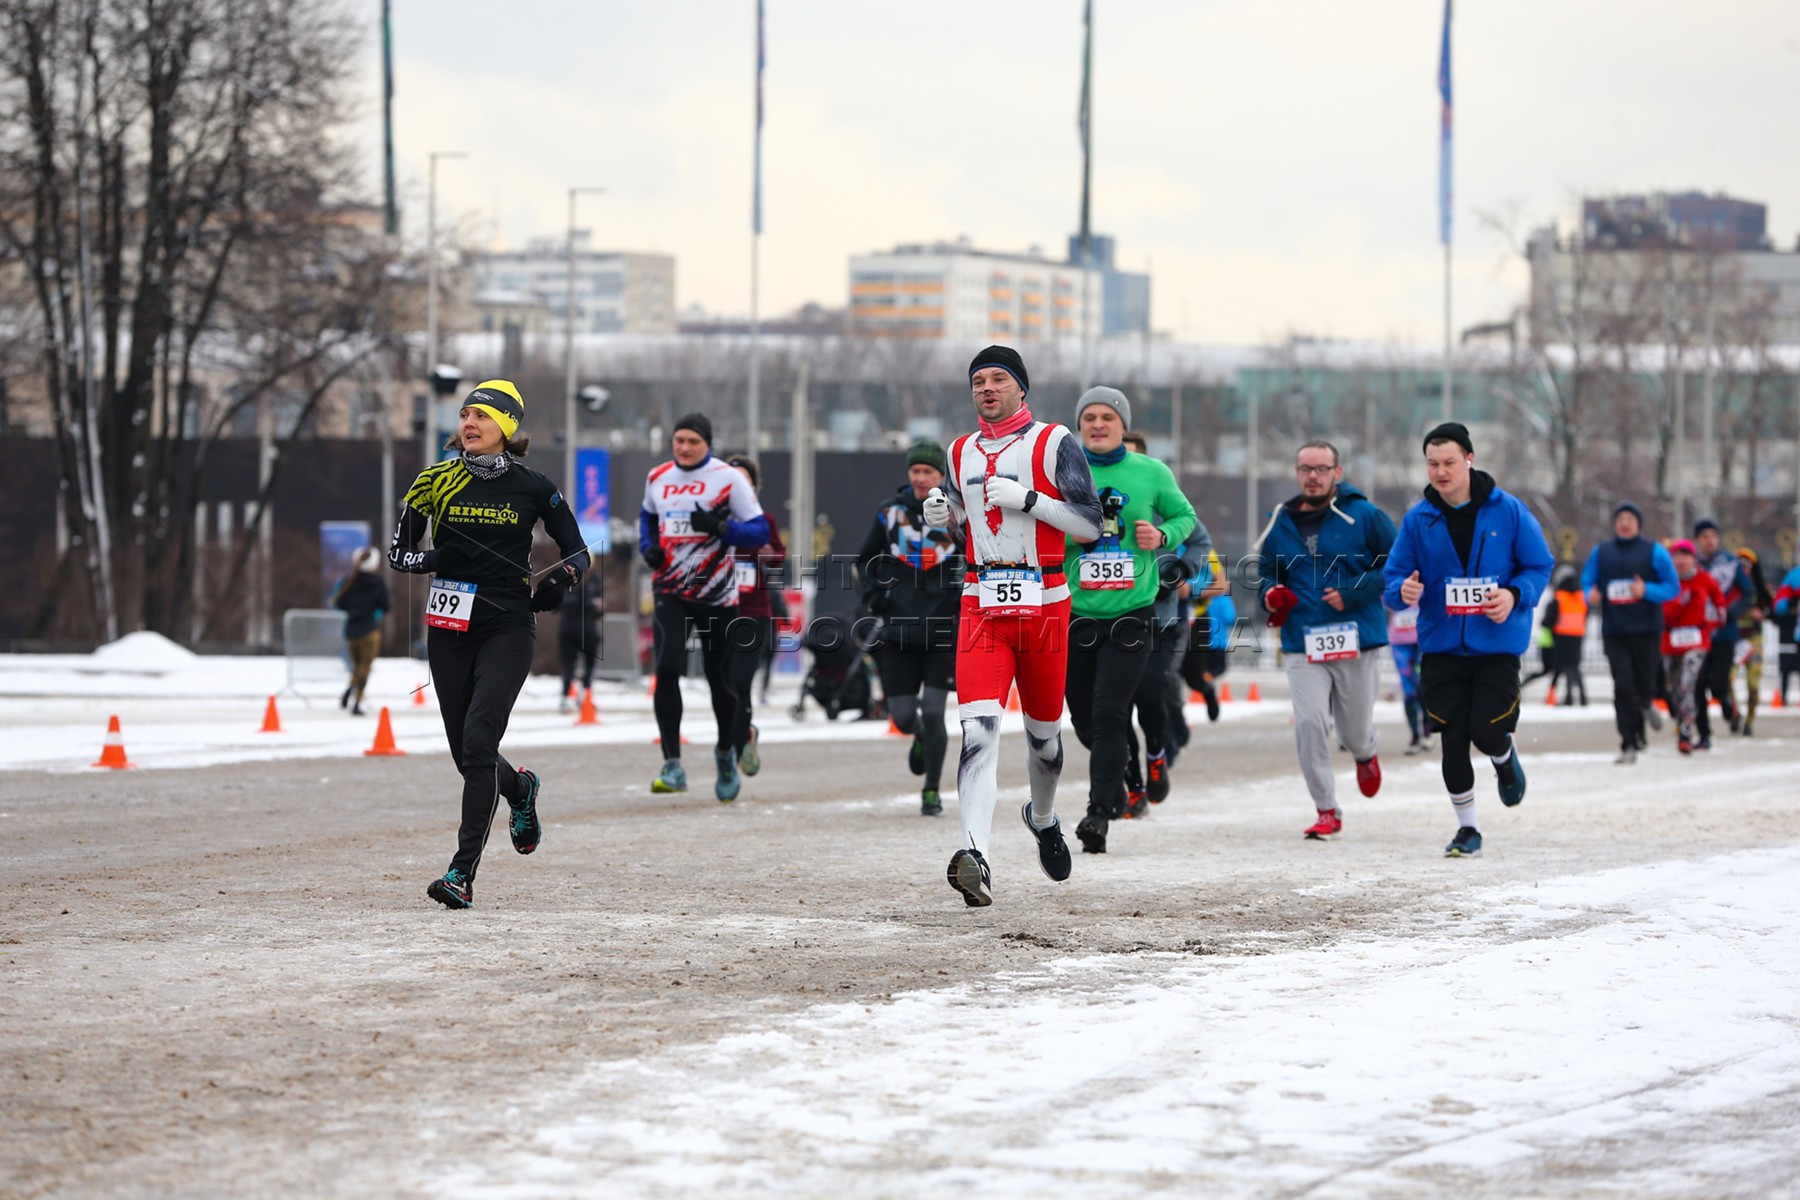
(1006, 493)
(937, 509)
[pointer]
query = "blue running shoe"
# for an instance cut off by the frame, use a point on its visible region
(726, 789)
(1511, 775)
(1466, 843)
(454, 890)
(526, 830)
(672, 778)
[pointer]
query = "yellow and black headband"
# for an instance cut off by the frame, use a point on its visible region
(499, 399)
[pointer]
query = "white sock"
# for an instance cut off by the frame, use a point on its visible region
(1465, 810)
(1500, 760)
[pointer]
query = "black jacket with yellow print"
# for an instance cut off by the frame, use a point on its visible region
(481, 530)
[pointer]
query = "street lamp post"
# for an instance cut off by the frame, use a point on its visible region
(569, 401)
(429, 439)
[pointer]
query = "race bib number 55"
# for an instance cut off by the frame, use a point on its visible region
(450, 605)
(1008, 591)
(1463, 597)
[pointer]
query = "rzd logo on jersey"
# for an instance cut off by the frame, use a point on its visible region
(683, 489)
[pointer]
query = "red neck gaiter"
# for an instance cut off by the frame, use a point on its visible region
(1008, 427)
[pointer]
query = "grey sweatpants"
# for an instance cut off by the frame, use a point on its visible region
(1342, 692)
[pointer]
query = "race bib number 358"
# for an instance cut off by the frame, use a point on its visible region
(1108, 572)
(1463, 597)
(450, 605)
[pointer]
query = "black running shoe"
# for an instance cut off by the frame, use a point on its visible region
(1511, 777)
(1466, 844)
(1053, 851)
(915, 757)
(454, 890)
(1092, 833)
(929, 803)
(968, 874)
(1156, 777)
(526, 830)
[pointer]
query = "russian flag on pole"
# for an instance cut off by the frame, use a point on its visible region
(1444, 191)
(756, 197)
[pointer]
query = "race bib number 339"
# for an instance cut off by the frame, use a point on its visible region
(1463, 597)
(1332, 643)
(450, 605)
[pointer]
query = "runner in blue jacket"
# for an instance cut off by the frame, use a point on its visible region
(1474, 560)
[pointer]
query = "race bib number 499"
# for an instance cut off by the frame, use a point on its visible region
(450, 605)
(1010, 591)
(1463, 597)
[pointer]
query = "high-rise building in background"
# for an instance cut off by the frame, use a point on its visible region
(953, 290)
(615, 291)
(1693, 219)
(1125, 304)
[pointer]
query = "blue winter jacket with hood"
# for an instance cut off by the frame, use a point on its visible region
(1352, 541)
(1508, 545)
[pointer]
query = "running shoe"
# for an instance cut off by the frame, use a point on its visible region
(915, 757)
(1704, 743)
(344, 700)
(1156, 783)
(1734, 720)
(1329, 824)
(1368, 775)
(1137, 804)
(1654, 716)
(527, 831)
(1511, 776)
(726, 787)
(1628, 755)
(1092, 834)
(968, 874)
(673, 778)
(1416, 746)
(1685, 746)
(750, 760)
(929, 803)
(454, 890)
(1466, 843)
(1053, 851)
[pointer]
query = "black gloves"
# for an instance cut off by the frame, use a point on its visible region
(552, 587)
(707, 521)
(655, 559)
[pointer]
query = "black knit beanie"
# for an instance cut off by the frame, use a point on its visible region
(698, 423)
(1007, 359)
(1450, 431)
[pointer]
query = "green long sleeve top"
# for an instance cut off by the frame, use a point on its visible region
(1139, 488)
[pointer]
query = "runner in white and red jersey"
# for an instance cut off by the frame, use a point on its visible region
(1017, 487)
(696, 508)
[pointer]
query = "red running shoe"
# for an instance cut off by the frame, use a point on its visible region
(1330, 822)
(1368, 775)
(1136, 805)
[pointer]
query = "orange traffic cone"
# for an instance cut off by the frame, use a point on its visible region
(1550, 696)
(588, 715)
(271, 718)
(1012, 700)
(1776, 700)
(650, 688)
(893, 730)
(384, 738)
(1224, 693)
(1194, 696)
(112, 754)
(1662, 706)
(419, 696)
(1255, 693)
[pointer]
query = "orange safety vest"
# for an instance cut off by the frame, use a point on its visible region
(1571, 614)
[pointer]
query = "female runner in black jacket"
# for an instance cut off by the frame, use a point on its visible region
(480, 507)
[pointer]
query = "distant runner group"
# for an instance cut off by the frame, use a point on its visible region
(1064, 567)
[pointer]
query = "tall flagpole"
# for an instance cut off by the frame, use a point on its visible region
(1087, 181)
(1445, 193)
(754, 415)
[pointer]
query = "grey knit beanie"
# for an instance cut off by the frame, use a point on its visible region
(1113, 398)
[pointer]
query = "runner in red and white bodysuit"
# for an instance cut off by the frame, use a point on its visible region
(1017, 487)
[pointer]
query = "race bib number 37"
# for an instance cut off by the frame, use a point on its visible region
(1332, 643)
(1011, 591)
(1108, 572)
(1463, 597)
(450, 605)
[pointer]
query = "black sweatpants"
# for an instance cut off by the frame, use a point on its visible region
(748, 641)
(1715, 681)
(906, 670)
(1472, 700)
(1106, 663)
(478, 675)
(672, 619)
(1636, 663)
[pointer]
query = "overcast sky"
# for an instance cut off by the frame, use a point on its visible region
(1274, 162)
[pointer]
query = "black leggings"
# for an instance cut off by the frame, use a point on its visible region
(749, 640)
(478, 675)
(1106, 663)
(671, 622)
(916, 682)
(1636, 663)
(1472, 700)
(1715, 681)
